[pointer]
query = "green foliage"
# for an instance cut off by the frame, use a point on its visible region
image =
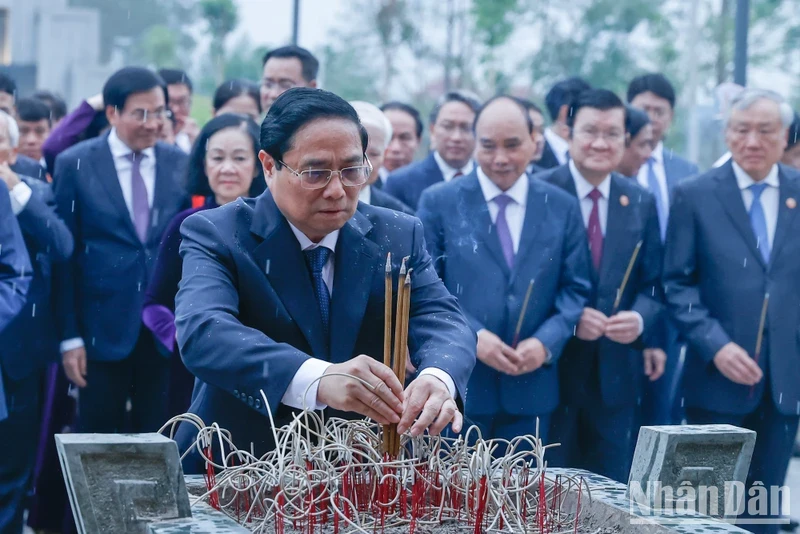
(221, 16)
(345, 75)
(494, 20)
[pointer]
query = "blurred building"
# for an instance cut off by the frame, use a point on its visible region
(46, 44)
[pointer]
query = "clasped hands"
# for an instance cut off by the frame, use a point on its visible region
(426, 403)
(529, 355)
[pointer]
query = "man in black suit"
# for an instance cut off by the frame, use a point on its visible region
(452, 141)
(19, 163)
(537, 135)
(29, 343)
(558, 100)
(284, 68)
(601, 367)
(406, 136)
(117, 193)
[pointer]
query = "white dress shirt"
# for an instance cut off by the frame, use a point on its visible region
(183, 142)
(583, 187)
(365, 195)
(660, 172)
(449, 172)
(309, 372)
(770, 197)
(515, 211)
(20, 194)
(383, 174)
(120, 152)
(558, 144)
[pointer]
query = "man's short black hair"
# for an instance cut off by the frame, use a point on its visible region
(129, 80)
(563, 93)
(231, 89)
(196, 177)
(176, 77)
(33, 110)
(635, 120)
(518, 101)
(601, 99)
(57, 105)
(297, 107)
(454, 96)
(410, 110)
(8, 85)
(794, 132)
(656, 83)
(307, 59)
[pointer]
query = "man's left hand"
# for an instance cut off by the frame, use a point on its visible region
(8, 176)
(533, 355)
(428, 400)
(623, 327)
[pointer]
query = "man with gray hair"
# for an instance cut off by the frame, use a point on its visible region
(732, 280)
(379, 130)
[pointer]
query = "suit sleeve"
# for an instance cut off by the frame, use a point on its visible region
(42, 224)
(439, 334)
(394, 187)
(67, 133)
(680, 277)
(68, 208)
(574, 285)
(15, 265)
(649, 302)
(215, 346)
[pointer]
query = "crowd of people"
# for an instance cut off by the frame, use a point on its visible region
(575, 280)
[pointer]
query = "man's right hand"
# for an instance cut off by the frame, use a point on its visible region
(736, 365)
(96, 102)
(383, 404)
(497, 355)
(74, 362)
(592, 325)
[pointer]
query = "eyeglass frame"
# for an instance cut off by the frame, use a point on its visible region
(330, 175)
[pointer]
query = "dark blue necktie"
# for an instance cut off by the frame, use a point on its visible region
(317, 258)
(759, 221)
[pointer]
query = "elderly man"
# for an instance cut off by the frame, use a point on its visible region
(731, 250)
(406, 136)
(284, 294)
(29, 342)
(379, 130)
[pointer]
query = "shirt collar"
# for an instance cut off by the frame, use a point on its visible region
(120, 150)
(518, 192)
(658, 153)
(744, 180)
(365, 195)
(329, 241)
(449, 172)
(557, 143)
(583, 187)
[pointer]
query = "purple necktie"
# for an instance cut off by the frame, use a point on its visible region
(594, 231)
(141, 208)
(503, 233)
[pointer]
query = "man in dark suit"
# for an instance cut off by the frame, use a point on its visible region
(283, 293)
(654, 94)
(379, 130)
(601, 367)
(730, 243)
(452, 141)
(406, 136)
(29, 342)
(492, 234)
(117, 194)
(557, 100)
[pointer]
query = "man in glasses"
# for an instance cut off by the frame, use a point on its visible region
(284, 68)
(179, 89)
(117, 193)
(283, 295)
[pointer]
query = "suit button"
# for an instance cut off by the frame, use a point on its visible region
(236, 393)
(258, 404)
(250, 401)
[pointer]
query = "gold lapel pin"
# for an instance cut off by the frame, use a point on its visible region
(624, 200)
(791, 203)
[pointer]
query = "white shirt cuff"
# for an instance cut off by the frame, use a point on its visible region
(641, 322)
(71, 344)
(443, 376)
(310, 371)
(20, 195)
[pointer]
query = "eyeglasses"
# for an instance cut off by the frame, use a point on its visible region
(141, 115)
(319, 178)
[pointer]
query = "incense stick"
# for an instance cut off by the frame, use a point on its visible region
(760, 337)
(387, 328)
(625, 278)
(402, 355)
(522, 314)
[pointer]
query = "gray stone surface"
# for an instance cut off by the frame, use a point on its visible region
(683, 461)
(205, 520)
(119, 483)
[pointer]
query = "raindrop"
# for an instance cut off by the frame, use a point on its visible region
(682, 401)
(267, 269)
(33, 311)
(93, 340)
(780, 398)
(745, 263)
(690, 307)
(79, 164)
(73, 206)
(139, 287)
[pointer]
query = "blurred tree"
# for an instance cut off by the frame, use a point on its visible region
(345, 74)
(161, 47)
(494, 24)
(395, 28)
(222, 17)
(242, 60)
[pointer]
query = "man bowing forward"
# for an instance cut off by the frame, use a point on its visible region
(285, 293)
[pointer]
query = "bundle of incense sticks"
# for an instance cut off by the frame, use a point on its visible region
(397, 360)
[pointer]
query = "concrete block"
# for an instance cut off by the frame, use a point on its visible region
(205, 520)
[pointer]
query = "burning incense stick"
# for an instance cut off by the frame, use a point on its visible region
(522, 314)
(760, 337)
(387, 328)
(625, 278)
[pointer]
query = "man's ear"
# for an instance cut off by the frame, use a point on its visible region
(562, 114)
(268, 165)
(12, 156)
(112, 115)
(312, 84)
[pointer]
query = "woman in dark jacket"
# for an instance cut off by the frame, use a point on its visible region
(222, 167)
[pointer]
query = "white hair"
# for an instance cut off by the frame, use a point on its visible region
(13, 128)
(748, 97)
(370, 115)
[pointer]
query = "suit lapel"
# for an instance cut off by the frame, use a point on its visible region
(788, 190)
(618, 243)
(165, 194)
(477, 210)
(535, 213)
(434, 173)
(106, 173)
(284, 265)
(356, 263)
(731, 198)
